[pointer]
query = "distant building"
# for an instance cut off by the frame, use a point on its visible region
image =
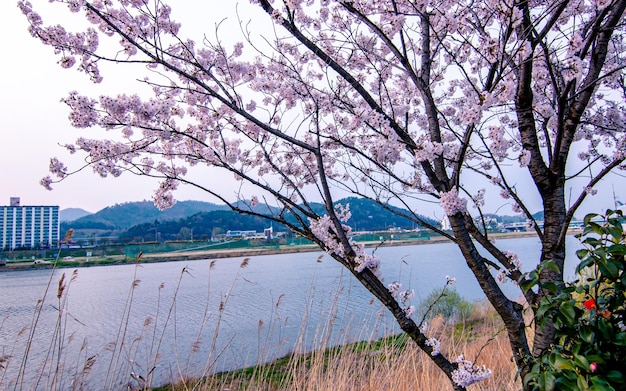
(27, 227)
(445, 224)
(267, 234)
(240, 234)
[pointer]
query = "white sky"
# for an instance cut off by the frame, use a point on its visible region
(34, 122)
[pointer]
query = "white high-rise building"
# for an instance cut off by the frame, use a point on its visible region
(28, 227)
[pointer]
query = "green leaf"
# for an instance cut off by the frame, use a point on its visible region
(608, 268)
(528, 285)
(549, 286)
(620, 339)
(598, 381)
(594, 242)
(616, 231)
(581, 361)
(561, 363)
(617, 250)
(546, 381)
(605, 328)
(587, 334)
(583, 264)
(568, 313)
(595, 358)
(581, 382)
(549, 265)
(616, 376)
(541, 311)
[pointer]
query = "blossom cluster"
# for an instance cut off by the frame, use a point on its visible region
(499, 144)
(163, 197)
(325, 231)
(452, 203)
(524, 158)
(515, 265)
(435, 345)
(428, 151)
(467, 373)
(68, 45)
(405, 295)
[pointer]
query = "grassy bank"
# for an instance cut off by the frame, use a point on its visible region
(134, 354)
(392, 363)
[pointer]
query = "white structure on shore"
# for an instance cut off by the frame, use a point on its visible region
(28, 227)
(445, 224)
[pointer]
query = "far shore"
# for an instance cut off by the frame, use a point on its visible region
(216, 254)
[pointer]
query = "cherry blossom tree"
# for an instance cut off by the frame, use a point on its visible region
(402, 102)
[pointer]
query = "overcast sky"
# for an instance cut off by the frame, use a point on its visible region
(34, 122)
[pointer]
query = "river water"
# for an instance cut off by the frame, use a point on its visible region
(161, 320)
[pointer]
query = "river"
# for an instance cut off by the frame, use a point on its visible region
(195, 317)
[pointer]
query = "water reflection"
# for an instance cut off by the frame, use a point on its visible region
(203, 319)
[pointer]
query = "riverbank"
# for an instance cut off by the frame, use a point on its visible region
(388, 363)
(217, 254)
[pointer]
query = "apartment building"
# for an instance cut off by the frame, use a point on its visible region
(28, 227)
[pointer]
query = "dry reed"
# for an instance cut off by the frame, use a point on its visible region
(393, 363)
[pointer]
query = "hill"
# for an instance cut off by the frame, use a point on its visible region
(124, 216)
(366, 216)
(202, 225)
(71, 214)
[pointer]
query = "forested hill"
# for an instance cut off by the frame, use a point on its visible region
(366, 216)
(369, 216)
(202, 225)
(126, 215)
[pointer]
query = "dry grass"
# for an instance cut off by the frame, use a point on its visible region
(393, 363)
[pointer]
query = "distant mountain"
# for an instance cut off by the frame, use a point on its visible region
(124, 216)
(134, 220)
(71, 214)
(202, 225)
(366, 215)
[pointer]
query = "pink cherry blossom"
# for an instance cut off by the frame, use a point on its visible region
(435, 345)
(408, 103)
(467, 373)
(452, 203)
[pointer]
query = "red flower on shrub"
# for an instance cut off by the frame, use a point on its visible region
(589, 304)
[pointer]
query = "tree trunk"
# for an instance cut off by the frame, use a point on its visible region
(553, 249)
(376, 287)
(510, 311)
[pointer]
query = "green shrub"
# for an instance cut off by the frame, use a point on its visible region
(445, 302)
(589, 315)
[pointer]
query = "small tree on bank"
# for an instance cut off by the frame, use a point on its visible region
(402, 102)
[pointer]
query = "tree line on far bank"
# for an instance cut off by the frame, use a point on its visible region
(111, 224)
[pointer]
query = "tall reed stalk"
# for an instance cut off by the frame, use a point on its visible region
(19, 383)
(338, 363)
